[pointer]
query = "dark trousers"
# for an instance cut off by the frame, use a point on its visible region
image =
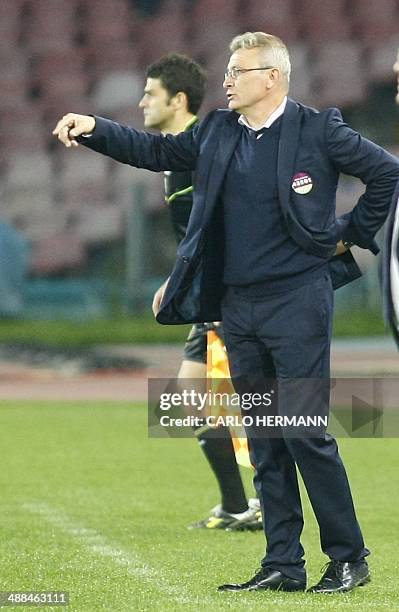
(286, 335)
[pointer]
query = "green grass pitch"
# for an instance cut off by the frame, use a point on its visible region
(91, 506)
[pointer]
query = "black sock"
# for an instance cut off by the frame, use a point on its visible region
(218, 448)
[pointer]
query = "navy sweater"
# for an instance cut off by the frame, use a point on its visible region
(258, 247)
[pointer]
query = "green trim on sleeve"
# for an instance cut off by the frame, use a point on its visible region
(178, 194)
(193, 120)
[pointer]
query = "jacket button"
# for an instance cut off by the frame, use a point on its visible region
(185, 259)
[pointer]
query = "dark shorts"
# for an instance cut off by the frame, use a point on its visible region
(195, 348)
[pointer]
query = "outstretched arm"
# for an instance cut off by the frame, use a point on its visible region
(128, 145)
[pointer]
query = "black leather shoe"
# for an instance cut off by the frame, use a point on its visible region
(340, 577)
(267, 578)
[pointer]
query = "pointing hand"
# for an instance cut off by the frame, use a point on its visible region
(71, 126)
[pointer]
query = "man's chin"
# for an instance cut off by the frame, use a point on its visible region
(148, 123)
(233, 105)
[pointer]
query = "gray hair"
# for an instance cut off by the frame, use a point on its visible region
(268, 42)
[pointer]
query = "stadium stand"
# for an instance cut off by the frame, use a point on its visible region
(377, 23)
(59, 56)
(37, 36)
(319, 26)
(116, 90)
(269, 16)
(338, 86)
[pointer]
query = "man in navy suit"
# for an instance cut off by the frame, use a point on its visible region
(390, 267)
(261, 253)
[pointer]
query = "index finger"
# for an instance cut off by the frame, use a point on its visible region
(62, 123)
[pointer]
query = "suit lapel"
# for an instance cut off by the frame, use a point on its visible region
(220, 162)
(289, 137)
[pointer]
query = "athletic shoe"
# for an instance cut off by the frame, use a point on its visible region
(250, 520)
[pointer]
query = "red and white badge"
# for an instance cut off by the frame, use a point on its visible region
(302, 183)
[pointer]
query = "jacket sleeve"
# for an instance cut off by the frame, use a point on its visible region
(141, 149)
(375, 167)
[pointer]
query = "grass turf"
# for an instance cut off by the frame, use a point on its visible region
(144, 329)
(91, 506)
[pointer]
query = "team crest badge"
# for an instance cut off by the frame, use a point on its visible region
(302, 183)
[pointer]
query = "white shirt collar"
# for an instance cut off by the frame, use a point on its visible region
(273, 117)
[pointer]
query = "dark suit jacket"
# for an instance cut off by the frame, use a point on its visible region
(319, 144)
(390, 268)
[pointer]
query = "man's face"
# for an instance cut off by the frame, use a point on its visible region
(396, 71)
(249, 87)
(158, 111)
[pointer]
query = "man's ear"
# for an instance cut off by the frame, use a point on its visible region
(274, 77)
(274, 74)
(180, 100)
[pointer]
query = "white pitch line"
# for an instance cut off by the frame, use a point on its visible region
(96, 543)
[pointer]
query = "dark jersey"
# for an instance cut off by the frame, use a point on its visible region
(179, 195)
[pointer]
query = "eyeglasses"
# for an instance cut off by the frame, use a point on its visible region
(234, 73)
